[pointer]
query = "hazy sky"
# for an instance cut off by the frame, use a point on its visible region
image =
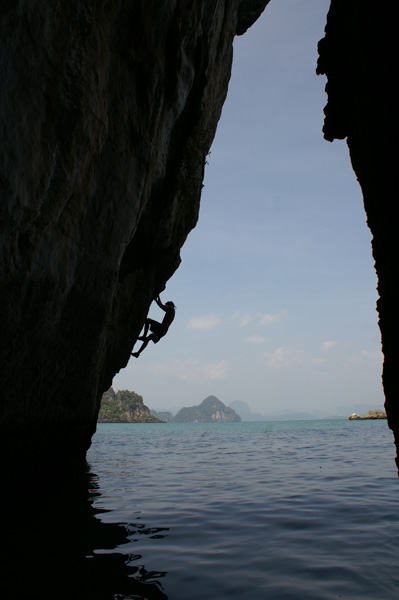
(276, 294)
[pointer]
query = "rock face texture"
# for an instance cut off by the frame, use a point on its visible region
(108, 109)
(357, 55)
(124, 406)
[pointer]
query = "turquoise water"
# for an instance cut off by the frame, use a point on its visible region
(272, 510)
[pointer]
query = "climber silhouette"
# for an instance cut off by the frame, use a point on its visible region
(158, 329)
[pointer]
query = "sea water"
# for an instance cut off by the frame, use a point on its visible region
(297, 510)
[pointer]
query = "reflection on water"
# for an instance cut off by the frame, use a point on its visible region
(261, 511)
(55, 546)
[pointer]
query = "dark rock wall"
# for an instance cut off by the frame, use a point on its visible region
(357, 55)
(108, 109)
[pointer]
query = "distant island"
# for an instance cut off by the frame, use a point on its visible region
(125, 407)
(165, 415)
(242, 408)
(211, 410)
(372, 414)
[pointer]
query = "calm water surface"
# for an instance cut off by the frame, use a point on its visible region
(260, 511)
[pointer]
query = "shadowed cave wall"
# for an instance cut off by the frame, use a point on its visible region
(357, 55)
(108, 110)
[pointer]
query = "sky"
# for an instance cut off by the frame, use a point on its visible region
(276, 294)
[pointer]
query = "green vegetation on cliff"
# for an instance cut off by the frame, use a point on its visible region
(210, 410)
(124, 407)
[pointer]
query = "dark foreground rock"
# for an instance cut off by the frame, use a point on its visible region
(358, 56)
(108, 110)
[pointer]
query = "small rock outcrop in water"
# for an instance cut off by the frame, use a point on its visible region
(124, 407)
(372, 414)
(210, 410)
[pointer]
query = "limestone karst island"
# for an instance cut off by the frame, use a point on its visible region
(128, 407)
(211, 410)
(125, 407)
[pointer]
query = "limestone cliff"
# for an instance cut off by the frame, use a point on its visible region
(108, 109)
(357, 55)
(125, 406)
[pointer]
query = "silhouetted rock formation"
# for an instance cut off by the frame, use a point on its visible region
(108, 110)
(357, 55)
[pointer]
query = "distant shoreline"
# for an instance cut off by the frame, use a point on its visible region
(372, 414)
(273, 421)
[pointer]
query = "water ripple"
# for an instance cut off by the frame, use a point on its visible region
(259, 511)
